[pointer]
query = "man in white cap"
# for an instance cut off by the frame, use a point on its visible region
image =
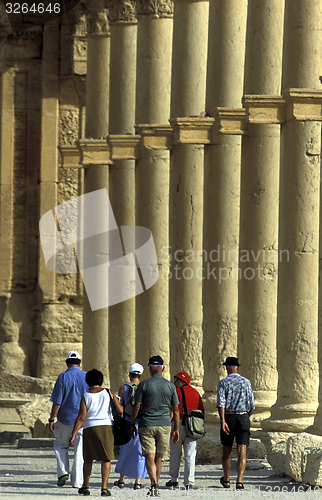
(69, 388)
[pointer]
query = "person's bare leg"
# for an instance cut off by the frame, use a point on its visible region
(105, 472)
(151, 467)
(158, 465)
(226, 452)
(87, 469)
(241, 462)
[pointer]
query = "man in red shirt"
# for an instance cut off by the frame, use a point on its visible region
(193, 402)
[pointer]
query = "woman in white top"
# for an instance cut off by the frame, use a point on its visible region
(95, 415)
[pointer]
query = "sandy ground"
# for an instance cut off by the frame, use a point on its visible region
(29, 474)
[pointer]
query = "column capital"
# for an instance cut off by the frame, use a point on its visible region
(94, 152)
(192, 130)
(230, 121)
(122, 11)
(97, 18)
(303, 104)
(264, 109)
(124, 147)
(155, 8)
(158, 137)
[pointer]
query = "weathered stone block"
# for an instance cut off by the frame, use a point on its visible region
(51, 358)
(35, 414)
(15, 384)
(295, 446)
(311, 466)
(276, 458)
(271, 438)
(60, 323)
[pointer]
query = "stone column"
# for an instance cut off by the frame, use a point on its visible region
(95, 323)
(316, 428)
(227, 28)
(152, 170)
(123, 26)
(257, 292)
(297, 319)
(189, 64)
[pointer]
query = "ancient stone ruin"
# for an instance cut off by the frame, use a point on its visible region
(202, 121)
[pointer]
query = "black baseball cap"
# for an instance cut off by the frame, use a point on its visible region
(155, 361)
(231, 361)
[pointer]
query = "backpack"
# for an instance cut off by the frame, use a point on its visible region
(130, 399)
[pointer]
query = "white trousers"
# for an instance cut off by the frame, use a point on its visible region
(190, 451)
(62, 435)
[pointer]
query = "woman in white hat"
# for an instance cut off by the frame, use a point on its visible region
(131, 462)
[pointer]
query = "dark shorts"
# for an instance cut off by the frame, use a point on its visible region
(239, 427)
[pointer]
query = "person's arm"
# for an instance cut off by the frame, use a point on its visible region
(135, 411)
(223, 423)
(121, 394)
(53, 414)
(79, 421)
(175, 432)
(118, 406)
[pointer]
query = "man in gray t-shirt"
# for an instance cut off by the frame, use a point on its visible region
(155, 396)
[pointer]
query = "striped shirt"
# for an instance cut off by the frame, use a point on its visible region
(234, 393)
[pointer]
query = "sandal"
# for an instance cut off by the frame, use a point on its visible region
(105, 492)
(84, 490)
(225, 484)
(119, 484)
(239, 486)
(137, 486)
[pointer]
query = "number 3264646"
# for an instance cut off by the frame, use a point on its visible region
(35, 8)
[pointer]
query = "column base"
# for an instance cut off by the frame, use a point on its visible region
(264, 400)
(316, 428)
(290, 418)
(209, 400)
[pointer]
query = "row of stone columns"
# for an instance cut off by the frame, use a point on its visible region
(232, 205)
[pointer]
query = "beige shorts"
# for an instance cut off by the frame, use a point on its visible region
(155, 440)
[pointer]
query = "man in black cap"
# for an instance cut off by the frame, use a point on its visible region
(235, 402)
(155, 396)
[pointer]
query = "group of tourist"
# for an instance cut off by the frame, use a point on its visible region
(156, 409)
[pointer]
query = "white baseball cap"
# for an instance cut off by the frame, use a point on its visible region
(73, 355)
(136, 368)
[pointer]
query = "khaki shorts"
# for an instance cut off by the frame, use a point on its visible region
(155, 440)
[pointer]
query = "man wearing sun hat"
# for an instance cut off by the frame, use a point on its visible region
(154, 397)
(193, 402)
(235, 402)
(67, 393)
